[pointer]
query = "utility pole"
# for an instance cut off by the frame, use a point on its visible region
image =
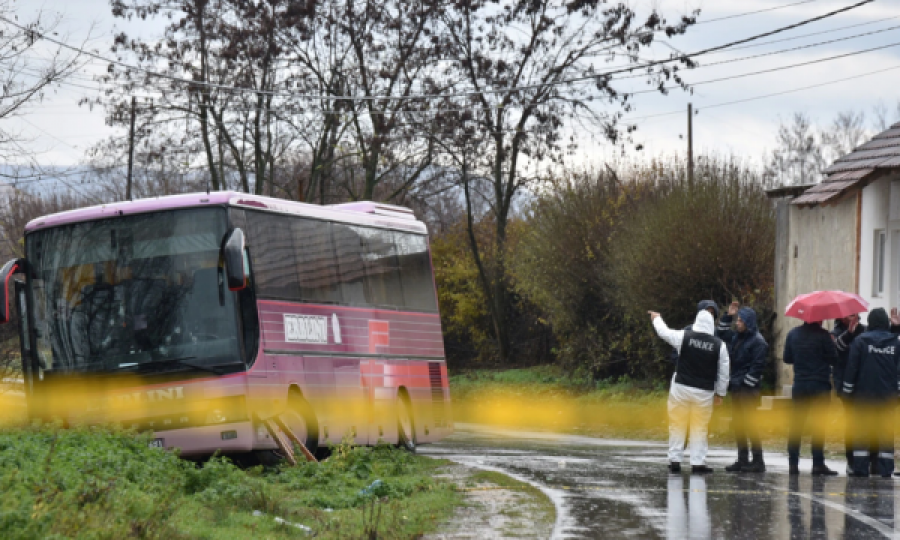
(130, 151)
(690, 141)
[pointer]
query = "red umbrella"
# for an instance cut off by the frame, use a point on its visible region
(824, 305)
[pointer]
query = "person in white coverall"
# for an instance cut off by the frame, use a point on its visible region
(700, 381)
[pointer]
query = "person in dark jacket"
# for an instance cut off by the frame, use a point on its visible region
(810, 349)
(872, 380)
(747, 350)
(845, 331)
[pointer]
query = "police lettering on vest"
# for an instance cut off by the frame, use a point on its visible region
(698, 364)
(706, 346)
(875, 350)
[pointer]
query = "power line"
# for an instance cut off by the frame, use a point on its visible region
(763, 96)
(633, 120)
(467, 93)
(292, 110)
(794, 38)
(771, 70)
(780, 51)
(728, 17)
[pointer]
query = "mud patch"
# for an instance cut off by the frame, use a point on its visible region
(496, 506)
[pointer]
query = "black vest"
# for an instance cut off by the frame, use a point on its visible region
(698, 364)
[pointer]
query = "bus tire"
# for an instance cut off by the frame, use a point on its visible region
(406, 424)
(301, 419)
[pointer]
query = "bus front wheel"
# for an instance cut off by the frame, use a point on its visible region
(406, 427)
(300, 419)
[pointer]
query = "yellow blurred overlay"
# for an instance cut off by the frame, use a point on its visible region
(643, 417)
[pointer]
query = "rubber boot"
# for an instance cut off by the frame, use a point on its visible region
(757, 465)
(674, 467)
(742, 461)
(822, 470)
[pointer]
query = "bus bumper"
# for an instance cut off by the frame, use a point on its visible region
(206, 440)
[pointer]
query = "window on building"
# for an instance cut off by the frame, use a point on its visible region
(879, 251)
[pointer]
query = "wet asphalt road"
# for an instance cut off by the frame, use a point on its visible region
(621, 489)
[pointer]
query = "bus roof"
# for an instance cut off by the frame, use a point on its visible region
(356, 213)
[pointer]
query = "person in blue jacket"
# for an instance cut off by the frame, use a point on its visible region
(845, 331)
(872, 382)
(748, 351)
(812, 352)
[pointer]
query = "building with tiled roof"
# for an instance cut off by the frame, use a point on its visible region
(842, 233)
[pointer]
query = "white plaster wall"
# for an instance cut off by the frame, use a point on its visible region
(876, 211)
(820, 255)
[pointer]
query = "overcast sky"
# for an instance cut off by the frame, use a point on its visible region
(61, 131)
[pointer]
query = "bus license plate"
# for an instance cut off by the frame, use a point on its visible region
(157, 443)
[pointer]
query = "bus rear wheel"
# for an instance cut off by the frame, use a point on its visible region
(406, 426)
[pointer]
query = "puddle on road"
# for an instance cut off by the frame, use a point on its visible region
(620, 489)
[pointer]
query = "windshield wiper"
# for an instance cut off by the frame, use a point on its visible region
(183, 361)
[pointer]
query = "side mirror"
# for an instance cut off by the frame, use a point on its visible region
(10, 268)
(236, 272)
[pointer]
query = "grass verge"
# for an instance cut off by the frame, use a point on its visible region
(98, 482)
(544, 397)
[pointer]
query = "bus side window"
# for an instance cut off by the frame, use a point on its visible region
(314, 252)
(415, 272)
(383, 286)
(351, 270)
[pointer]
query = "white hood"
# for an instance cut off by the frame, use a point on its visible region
(704, 323)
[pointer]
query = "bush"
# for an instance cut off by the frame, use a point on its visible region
(469, 334)
(602, 248)
(710, 239)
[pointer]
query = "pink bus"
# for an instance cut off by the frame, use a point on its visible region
(200, 316)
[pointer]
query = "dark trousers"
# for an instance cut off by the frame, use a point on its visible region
(744, 402)
(873, 423)
(806, 397)
(850, 427)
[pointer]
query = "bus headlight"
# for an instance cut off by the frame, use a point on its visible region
(225, 410)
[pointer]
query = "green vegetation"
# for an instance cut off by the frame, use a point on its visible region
(550, 381)
(595, 250)
(94, 482)
(545, 397)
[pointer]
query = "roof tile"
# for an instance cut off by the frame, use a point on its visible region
(891, 133)
(839, 166)
(869, 153)
(879, 143)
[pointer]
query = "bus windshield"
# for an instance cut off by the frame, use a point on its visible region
(140, 293)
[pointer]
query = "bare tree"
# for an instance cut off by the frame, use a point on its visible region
(219, 68)
(846, 132)
(29, 66)
(883, 116)
(798, 156)
(553, 53)
(367, 59)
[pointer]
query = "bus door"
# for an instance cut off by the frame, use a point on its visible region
(354, 408)
(30, 373)
(378, 400)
